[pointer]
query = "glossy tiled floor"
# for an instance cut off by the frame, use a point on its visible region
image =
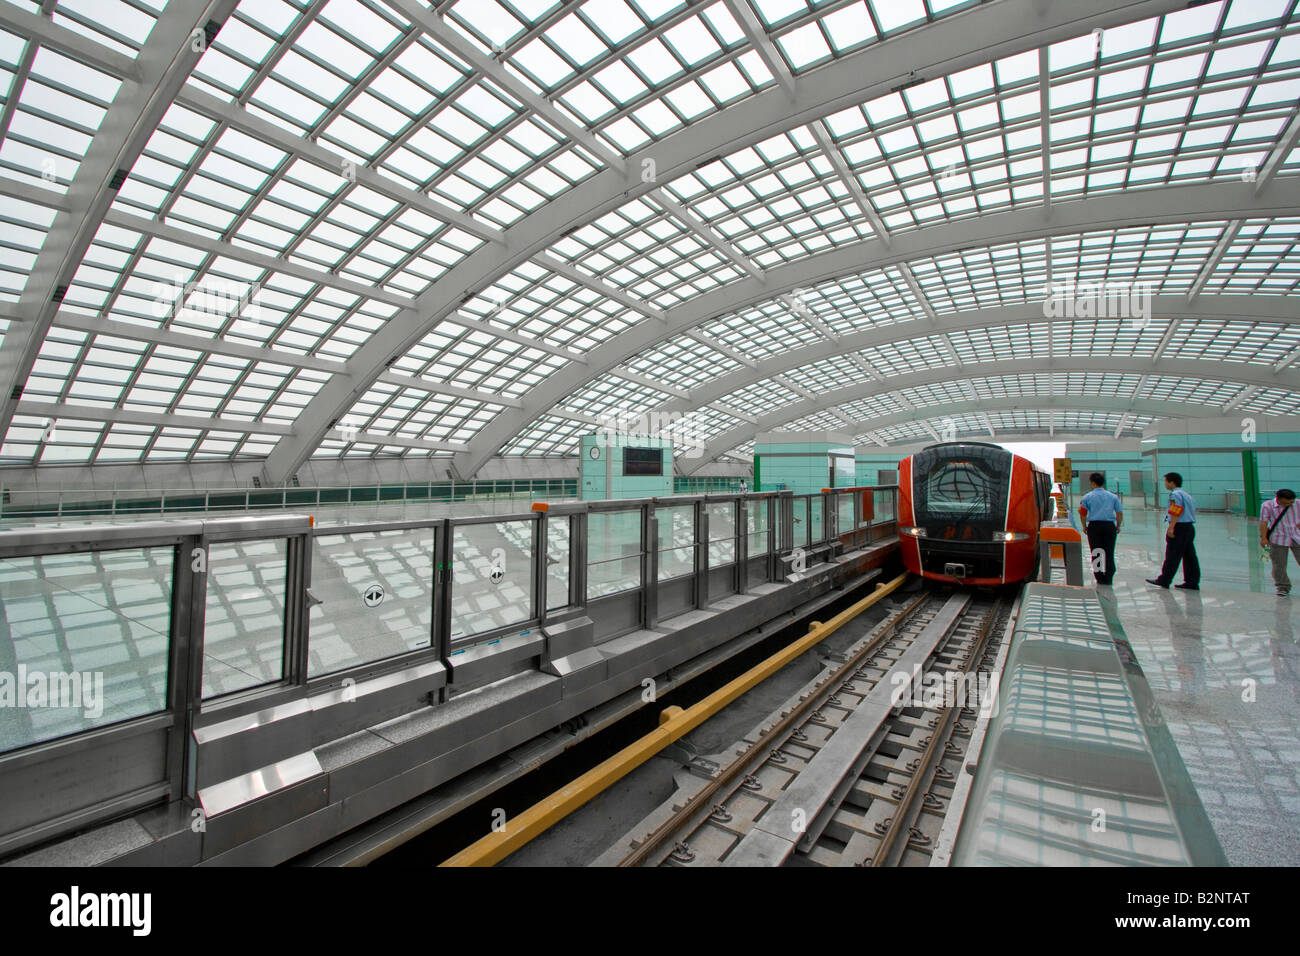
(1224, 665)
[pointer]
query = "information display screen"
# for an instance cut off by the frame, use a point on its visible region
(643, 461)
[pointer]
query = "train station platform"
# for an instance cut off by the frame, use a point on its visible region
(1075, 766)
(1223, 664)
(248, 688)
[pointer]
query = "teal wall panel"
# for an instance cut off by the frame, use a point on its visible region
(1211, 464)
(1116, 466)
(870, 464)
(602, 476)
(803, 467)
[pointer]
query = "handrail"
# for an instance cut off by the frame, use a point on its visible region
(76, 503)
(52, 502)
(242, 489)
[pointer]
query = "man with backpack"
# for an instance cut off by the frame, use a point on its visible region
(1279, 532)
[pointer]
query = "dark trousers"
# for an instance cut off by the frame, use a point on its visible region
(1101, 537)
(1178, 549)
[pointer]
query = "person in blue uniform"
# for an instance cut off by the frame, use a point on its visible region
(1102, 512)
(1179, 538)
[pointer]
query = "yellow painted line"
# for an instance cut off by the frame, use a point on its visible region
(538, 818)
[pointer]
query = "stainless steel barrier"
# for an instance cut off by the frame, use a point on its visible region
(135, 659)
(102, 663)
(36, 503)
(1060, 536)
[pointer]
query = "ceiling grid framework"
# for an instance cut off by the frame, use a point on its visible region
(455, 230)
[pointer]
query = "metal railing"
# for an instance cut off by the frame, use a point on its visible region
(93, 502)
(82, 502)
(706, 484)
(185, 624)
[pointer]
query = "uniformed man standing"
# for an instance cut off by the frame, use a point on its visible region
(1179, 538)
(1102, 512)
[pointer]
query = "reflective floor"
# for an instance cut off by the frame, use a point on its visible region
(1224, 665)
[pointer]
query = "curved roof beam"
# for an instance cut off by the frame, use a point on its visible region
(1211, 201)
(1143, 406)
(1202, 370)
(1011, 435)
(1257, 308)
(149, 85)
(936, 49)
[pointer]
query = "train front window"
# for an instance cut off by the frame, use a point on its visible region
(961, 491)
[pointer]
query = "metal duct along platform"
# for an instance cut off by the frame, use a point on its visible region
(269, 685)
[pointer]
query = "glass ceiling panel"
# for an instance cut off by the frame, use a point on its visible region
(682, 363)
(612, 397)
(775, 202)
(1272, 401)
(1204, 96)
(1032, 387)
(874, 407)
(54, 104)
(1261, 259)
(549, 436)
(969, 425)
(327, 165)
(644, 251)
(838, 372)
(819, 421)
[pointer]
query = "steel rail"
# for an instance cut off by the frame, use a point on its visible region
(735, 771)
(891, 849)
(541, 816)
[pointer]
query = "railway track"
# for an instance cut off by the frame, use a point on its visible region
(857, 770)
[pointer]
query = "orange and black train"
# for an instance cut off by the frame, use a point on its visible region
(969, 513)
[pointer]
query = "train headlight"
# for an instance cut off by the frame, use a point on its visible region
(1002, 537)
(915, 532)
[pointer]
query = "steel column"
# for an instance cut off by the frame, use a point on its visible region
(701, 554)
(649, 567)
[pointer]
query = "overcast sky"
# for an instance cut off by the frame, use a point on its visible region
(1040, 453)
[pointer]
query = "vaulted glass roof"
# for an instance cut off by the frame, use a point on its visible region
(461, 229)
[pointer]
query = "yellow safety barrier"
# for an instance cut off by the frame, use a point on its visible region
(538, 818)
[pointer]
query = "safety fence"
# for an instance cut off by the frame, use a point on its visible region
(119, 642)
